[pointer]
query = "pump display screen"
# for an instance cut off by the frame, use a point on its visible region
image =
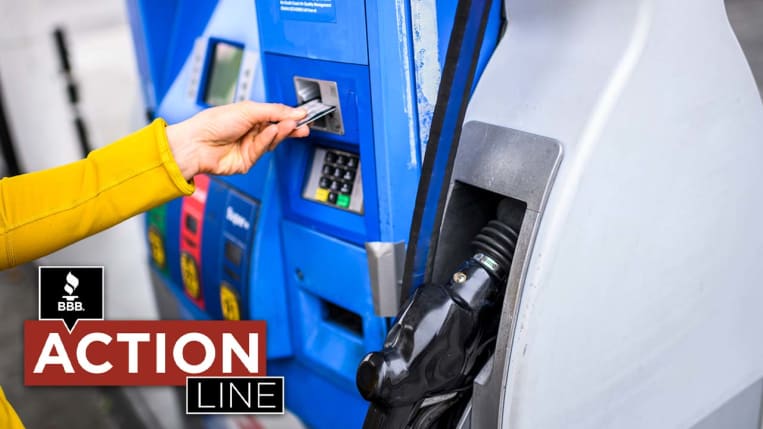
(222, 73)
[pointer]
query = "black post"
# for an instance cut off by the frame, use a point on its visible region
(6, 141)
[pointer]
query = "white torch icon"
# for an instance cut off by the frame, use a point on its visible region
(71, 283)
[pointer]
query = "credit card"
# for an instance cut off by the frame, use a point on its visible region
(315, 110)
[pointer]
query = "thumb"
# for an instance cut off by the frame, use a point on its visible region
(260, 142)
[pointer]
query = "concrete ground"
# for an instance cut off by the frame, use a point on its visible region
(71, 408)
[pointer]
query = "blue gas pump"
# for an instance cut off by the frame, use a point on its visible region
(285, 243)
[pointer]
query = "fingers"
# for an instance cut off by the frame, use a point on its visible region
(299, 132)
(284, 129)
(246, 129)
(264, 140)
(269, 137)
(256, 143)
(270, 112)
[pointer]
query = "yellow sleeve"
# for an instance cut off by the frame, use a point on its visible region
(50, 209)
(8, 417)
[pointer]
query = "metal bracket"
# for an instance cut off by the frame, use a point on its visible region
(386, 262)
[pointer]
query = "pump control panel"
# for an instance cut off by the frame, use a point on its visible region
(334, 179)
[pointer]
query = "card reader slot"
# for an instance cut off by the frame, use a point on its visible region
(321, 96)
(307, 90)
(316, 111)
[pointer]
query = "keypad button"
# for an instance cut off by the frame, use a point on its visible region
(343, 201)
(341, 160)
(335, 185)
(321, 194)
(327, 169)
(338, 172)
(324, 183)
(349, 175)
(330, 157)
(352, 162)
(332, 197)
(346, 188)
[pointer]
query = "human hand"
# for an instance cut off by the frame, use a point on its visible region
(229, 139)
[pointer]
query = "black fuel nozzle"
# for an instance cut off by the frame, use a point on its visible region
(442, 337)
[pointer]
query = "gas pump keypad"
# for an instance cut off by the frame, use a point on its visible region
(334, 179)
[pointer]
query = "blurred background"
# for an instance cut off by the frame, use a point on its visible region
(69, 83)
(42, 125)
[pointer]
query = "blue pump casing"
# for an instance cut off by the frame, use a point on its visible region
(303, 267)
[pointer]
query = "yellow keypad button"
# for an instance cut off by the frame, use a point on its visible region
(322, 194)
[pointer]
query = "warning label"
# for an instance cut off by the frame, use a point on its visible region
(308, 10)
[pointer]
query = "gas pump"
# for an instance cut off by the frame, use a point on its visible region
(286, 243)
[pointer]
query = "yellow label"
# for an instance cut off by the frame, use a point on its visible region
(322, 194)
(157, 247)
(190, 275)
(229, 303)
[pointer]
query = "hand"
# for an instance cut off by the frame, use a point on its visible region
(229, 139)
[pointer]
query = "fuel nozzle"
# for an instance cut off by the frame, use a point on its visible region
(440, 340)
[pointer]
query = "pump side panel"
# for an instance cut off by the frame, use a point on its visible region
(641, 301)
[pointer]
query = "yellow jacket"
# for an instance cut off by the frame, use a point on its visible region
(8, 417)
(47, 210)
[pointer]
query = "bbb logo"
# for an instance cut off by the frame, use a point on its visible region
(70, 303)
(82, 296)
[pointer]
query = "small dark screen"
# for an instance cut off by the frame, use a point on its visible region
(233, 252)
(191, 224)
